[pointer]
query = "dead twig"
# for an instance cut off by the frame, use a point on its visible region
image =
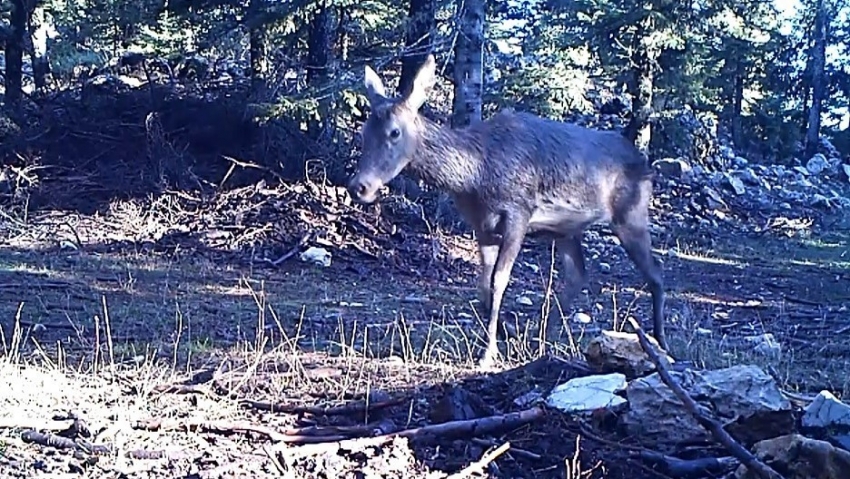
(712, 425)
(675, 467)
(514, 451)
(481, 464)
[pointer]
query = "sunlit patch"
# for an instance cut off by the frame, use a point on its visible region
(700, 258)
(717, 301)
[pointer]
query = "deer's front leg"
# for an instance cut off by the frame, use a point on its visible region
(514, 228)
(488, 252)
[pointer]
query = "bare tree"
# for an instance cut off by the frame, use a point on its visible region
(418, 39)
(818, 65)
(469, 63)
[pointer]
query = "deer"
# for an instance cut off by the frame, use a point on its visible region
(512, 176)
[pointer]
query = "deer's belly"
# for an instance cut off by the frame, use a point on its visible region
(562, 219)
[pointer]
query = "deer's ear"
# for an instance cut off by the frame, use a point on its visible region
(422, 84)
(375, 90)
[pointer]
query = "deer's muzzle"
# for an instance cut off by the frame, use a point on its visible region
(364, 188)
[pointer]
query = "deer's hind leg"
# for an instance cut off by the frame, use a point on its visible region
(631, 226)
(573, 274)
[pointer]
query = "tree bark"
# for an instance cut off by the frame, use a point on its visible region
(469, 64)
(640, 87)
(257, 43)
(15, 54)
(818, 84)
(319, 45)
(418, 40)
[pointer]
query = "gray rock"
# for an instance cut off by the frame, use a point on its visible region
(739, 162)
(803, 171)
(672, 167)
(817, 164)
(744, 398)
(735, 184)
(826, 411)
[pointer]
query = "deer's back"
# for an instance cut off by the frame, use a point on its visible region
(566, 175)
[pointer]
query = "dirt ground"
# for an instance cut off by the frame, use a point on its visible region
(170, 349)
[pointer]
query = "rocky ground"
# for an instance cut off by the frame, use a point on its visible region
(216, 336)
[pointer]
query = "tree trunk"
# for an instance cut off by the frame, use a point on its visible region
(469, 60)
(257, 44)
(15, 53)
(319, 45)
(37, 32)
(737, 106)
(418, 40)
(818, 84)
(640, 87)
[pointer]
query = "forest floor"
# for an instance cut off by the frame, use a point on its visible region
(101, 331)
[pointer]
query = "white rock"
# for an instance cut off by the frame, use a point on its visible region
(846, 169)
(525, 301)
(582, 318)
(315, 255)
(588, 393)
(817, 164)
(825, 411)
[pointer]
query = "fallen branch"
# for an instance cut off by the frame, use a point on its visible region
(305, 435)
(183, 389)
(344, 410)
(36, 424)
(713, 426)
(481, 464)
(59, 442)
(219, 427)
(690, 468)
(452, 429)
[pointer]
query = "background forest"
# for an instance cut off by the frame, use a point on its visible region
(170, 93)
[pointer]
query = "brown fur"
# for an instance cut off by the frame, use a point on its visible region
(512, 175)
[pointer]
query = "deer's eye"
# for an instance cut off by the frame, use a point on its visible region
(395, 133)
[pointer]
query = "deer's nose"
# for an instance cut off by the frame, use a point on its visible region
(362, 189)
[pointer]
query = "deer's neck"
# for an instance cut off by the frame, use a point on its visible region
(447, 158)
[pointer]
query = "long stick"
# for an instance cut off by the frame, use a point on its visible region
(714, 427)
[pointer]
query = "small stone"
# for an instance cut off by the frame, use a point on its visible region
(582, 318)
(735, 184)
(817, 164)
(802, 170)
(765, 344)
(528, 398)
(604, 267)
(672, 167)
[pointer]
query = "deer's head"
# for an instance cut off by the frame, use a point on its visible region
(391, 133)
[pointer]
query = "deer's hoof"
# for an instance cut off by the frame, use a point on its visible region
(488, 363)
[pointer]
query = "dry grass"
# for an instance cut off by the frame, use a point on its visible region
(98, 333)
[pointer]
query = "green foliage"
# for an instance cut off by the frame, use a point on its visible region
(728, 59)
